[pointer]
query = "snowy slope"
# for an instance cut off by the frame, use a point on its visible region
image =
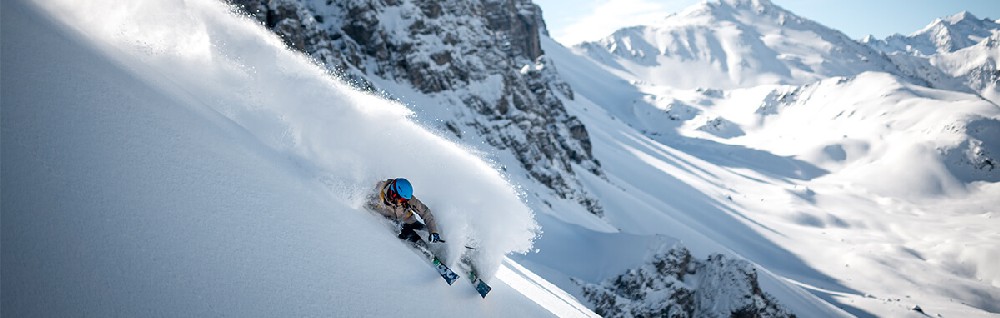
(974, 66)
(672, 190)
(732, 43)
(863, 166)
(165, 159)
(911, 184)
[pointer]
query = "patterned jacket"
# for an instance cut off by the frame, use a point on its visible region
(379, 202)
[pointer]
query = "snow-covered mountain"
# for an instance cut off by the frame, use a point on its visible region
(957, 52)
(732, 43)
(861, 164)
(943, 35)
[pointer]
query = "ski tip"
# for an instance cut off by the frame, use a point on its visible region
(483, 289)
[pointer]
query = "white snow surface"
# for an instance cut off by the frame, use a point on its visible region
(165, 158)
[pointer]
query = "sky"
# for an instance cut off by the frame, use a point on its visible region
(573, 21)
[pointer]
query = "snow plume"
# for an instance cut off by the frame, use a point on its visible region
(344, 139)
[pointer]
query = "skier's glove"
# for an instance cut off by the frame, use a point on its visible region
(435, 238)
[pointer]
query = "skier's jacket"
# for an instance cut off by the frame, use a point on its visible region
(380, 202)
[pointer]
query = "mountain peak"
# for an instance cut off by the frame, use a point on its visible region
(756, 5)
(734, 43)
(728, 9)
(959, 17)
(943, 35)
(742, 3)
(963, 19)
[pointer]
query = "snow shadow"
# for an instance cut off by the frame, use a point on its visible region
(606, 90)
(666, 186)
(741, 157)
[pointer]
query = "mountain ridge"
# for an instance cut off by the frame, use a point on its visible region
(731, 44)
(943, 35)
(958, 52)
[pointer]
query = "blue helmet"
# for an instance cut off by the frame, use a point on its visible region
(403, 188)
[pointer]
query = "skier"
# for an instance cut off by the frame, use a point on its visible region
(394, 199)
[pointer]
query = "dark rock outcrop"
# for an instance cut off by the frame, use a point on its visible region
(673, 284)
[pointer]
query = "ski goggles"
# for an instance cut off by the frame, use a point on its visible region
(393, 196)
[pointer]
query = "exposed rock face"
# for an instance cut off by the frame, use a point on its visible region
(483, 56)
(673, 284)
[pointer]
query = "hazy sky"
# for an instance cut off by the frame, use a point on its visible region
(572, 21)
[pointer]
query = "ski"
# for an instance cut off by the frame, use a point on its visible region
(449, 276)
(481, 287)
(420, 246)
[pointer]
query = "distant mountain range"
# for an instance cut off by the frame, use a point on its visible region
(944, 35)
(744, 43)
(731, 44)
(959, 52)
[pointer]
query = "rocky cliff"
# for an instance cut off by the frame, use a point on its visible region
(674, 284)
(479, 63)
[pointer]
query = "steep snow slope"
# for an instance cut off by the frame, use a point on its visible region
(171, 159)
(732, 43)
